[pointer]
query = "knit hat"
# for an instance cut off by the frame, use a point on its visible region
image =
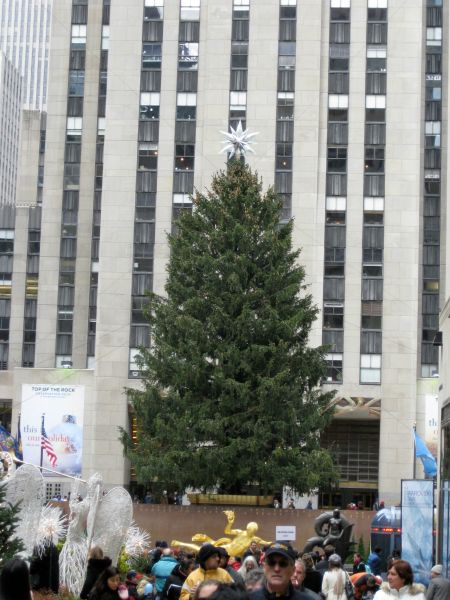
(205, 552)
(437, 569)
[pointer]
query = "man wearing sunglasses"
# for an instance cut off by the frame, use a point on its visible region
(279, 561)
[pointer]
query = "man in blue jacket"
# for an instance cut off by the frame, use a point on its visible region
(162, 569)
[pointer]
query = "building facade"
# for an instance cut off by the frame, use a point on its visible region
(347, 98)
(24, 37)
(10, 103)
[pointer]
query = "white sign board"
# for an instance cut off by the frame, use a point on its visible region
(287, 533)
(51, 426)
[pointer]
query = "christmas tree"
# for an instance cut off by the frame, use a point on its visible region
(231, 392)
(9, 546)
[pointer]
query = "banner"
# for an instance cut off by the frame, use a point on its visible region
(51, 427)
(417, 526)
(431, 423)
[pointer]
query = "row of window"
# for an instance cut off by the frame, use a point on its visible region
(432, 177)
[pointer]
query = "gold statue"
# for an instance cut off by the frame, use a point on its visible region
(235, 547)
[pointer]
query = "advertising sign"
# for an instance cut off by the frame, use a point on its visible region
(285, 533)
(431, 423)
(417, 526)
(51, 427)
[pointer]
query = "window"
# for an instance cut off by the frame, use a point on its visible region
(434, 36)
(188, 55)
(76, 83)
(377, 102)
(285, 106)
(336, 203)
(286, 55)
(338, 101)
(74, 126)
(105, 37)
(153, 10)
(151, 56)
(377, 3)
(340, 3)
(283, 161)
(374, 159)
(334, 368)
(78, 36)
(148, 156)
(376, 59)
(186, 106)
(149, 106)
(190, 10)
(239, 55)
(337, 160)
(339, 57)
(182, 199)
(333, 316)
(370, 371)
(184, 157)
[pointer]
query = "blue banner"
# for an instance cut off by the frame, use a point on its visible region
(417, 526)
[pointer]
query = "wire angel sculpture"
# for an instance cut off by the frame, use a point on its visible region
(27, 487)
(74, 554)
(112, 520)
(52, 527)
(137, 541)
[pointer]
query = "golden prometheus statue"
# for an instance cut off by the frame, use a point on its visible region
(235, 547)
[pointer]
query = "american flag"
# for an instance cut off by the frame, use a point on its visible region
(47, 446)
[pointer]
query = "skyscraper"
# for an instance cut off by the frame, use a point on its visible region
(10, 104)
(24, 38)
(349, 135)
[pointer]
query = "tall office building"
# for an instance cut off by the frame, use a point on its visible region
(10, 104)
(24, 38)
(346, 97)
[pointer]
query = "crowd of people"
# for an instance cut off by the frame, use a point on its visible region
(274, 571)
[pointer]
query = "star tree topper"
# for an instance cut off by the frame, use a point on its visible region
(238, 141)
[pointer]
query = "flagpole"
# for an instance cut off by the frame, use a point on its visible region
(414, 450)
(42, 445)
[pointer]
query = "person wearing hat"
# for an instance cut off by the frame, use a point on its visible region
(334, 580)
(223, 564)
(279, 565)
(208, 558)
(439, 587)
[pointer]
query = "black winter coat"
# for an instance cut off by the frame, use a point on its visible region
(95, 567)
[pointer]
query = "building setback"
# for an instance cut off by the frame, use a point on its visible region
(346, 97)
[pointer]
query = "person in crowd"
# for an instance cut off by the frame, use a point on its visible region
(44, 570)
(206, 589)
(374, 561)
(208, 558)
(372, 586)
(291, 503)
(132, 582)
(248, 564)
(236, 576)
(229, 592)
(162, 569)
(254, 579)
(439, 588)
(400, 584)
(334, 579)
(15, 581)
(298, 579)
(96, 564)
(322, 565)
(313, 578)
(279, 563)
(174, 582)
(254, 550)
(108, 586)
(396, 555)
(359, 566)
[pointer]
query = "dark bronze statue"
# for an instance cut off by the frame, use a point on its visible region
(334, 529)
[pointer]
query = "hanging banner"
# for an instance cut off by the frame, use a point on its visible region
(417, 526)
(51, 427)
(431, 423)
